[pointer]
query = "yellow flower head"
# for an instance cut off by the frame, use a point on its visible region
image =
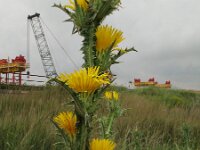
(67, 122)
(102, 144)
(82, 3)
(85, 80)
(115, 95)
(106, 36)
(110, 95)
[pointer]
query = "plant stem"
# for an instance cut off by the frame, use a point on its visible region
(111, 119)
(89, 45)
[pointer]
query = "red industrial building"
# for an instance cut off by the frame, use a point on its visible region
(11, 71)
(152, 82)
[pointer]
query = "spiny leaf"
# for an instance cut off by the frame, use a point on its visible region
(119, 54)
(78, 106)
(63, 9)
(107, 7)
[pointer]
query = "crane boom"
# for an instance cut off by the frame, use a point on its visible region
(42, 45)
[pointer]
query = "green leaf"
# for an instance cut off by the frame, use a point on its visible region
(78, 107)
(119, 54)
(63, 9)
(107, 7)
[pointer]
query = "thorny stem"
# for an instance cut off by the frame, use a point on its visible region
(88, 46)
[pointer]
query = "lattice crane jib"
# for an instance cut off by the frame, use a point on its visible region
(42, 45)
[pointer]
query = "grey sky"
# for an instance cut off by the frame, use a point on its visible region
(165, 32)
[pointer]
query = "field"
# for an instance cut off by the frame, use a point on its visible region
(154, 119)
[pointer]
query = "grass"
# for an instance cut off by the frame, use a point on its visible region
(157, 124)
(24, 119)
(155, 119)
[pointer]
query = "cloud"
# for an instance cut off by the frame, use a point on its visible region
(166, 33)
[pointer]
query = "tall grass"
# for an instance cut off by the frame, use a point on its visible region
(152, 120)
(152, 124)
(24, 119)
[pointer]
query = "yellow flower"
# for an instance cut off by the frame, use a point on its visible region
(102, 144)
(115, 95)
(110, 95)
(67, 122)
(85, 80)
(82, 3)
(106, 36)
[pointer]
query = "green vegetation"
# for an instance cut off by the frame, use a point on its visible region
(155, 119)
(171, 97)
(19, 88)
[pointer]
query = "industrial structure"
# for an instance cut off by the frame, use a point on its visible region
(151, 82)
(11, 71)
(42, 45)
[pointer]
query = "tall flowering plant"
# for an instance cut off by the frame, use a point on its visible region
(88, 85)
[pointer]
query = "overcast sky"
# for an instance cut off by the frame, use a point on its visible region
(165, 32)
